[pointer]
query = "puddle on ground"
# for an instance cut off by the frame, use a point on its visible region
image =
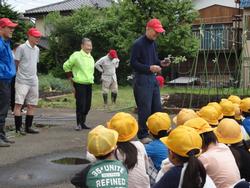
(71, 161)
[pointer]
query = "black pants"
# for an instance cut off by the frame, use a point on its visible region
(83, 96)
(12, 98)
(4, 103)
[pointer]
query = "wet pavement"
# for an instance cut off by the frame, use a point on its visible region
(28, 162)
(39, 171)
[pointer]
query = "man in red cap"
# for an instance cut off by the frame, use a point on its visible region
(107, 66)
(146, 64)
(27, 57)
(7, 72)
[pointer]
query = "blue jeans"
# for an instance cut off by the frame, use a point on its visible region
(148, 101)
(4, 104)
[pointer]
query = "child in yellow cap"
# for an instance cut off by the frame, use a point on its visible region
(234, 99)
(159, 124)
(184, 115)
(229, 132)
(216, 157)
(106, 172)
(218, 108)
(184, 145)
(131, 152)
(228, 108)
(210, 114)
(231, 109)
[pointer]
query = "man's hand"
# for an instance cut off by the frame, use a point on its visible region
(166, 62)
(155, 68)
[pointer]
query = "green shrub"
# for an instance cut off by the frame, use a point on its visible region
(44, 84)
(50, 83)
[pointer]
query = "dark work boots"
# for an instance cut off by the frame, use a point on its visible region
(113, 97)
(18, 125)
(28, 124)
(105, 99)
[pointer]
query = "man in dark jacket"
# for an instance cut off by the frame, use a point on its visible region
(146, 64)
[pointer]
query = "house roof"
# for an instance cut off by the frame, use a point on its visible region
(200, 4)
(68, 5)
(245, 3)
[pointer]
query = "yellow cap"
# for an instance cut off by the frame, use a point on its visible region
(228, 131)
(234, 99)
(217, 107)
(227, 107)
(125, 124)
(245, 104)
(158, 121)
(101, 141)
(237, 111)
(209, 114)
(199, 124)
(182, 140)
(184, 115)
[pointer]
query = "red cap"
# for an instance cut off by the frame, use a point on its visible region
(6, 22)
(155, 24)
(112, 54)
(34, 32)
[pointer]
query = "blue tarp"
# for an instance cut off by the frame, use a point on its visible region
(244, 3)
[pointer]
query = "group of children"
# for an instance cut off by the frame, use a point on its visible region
(208, 148)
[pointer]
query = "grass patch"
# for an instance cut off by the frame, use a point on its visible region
(125, 100)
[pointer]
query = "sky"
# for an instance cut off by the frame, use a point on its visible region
(22, 5)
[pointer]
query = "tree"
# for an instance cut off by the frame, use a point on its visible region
(21, 30)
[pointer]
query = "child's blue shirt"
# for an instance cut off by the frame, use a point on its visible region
(246, 125)
(157, 151)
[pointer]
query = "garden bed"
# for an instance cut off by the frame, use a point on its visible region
(51, 94)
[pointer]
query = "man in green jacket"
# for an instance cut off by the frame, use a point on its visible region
(80, 71)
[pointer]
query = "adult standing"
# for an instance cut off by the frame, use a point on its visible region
(80, 71)
(27, 57)
(146, 64)
(7, 72)
(107, 65)
(12, 98)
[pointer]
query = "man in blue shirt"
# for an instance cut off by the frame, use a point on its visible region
(146, 64)
(7, 71)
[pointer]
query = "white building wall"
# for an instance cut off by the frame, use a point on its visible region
(200, 4)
